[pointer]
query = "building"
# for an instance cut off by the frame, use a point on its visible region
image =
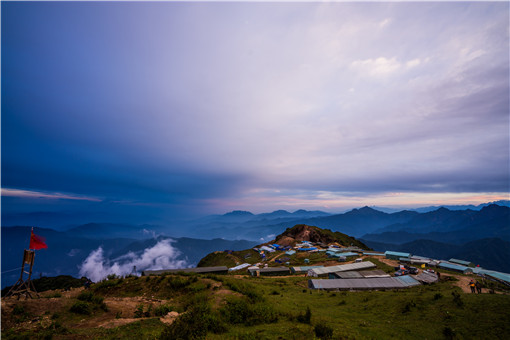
(200, 270)
(269, 271)
(363, 283)
(239, 267)
(324, 271)
(455, 267)
(302, 269)
(394, 255)
(462, 263)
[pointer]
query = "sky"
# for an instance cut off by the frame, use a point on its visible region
(148, 111)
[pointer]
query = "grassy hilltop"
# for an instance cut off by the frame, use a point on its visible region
(238, 306)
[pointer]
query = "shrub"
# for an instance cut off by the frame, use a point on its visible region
(437, 296)
(242, 311)
(323, 331)
(306, 317)
(457, 300)
(80, 307)
(162, 310)
(194, 324)
(85, 296)
(139, 311)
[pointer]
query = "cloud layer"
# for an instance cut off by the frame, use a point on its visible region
(192, 106)
(162, 256)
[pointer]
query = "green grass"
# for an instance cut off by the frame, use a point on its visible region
(273, 307)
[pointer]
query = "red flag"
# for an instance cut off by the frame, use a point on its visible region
(37, 242)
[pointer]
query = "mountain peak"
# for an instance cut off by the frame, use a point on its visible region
(238, 213)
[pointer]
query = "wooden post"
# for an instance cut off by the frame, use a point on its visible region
(24, 286)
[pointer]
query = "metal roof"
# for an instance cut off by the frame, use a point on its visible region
(452, 266)
(345, 254)
(396, 253)
(241, 266)
(303, 268)
(408, 281)
(357, 284)
(374, 273)
(372, 254)
(348, 275)
(290, 252)
(427, 277)
(187, 270)
(340, 268)
(271, 269)
(462, 262)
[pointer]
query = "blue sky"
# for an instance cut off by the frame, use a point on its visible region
(163, 109)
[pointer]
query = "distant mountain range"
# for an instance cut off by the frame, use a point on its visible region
(67, 251)
(439, 233)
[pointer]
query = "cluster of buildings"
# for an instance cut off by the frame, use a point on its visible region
(359, 275)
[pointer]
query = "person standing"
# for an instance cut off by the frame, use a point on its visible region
(478, 286)
(472, 285)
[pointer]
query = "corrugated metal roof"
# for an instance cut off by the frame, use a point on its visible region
(500, 276)
(357, 284)
(452, 266)
(408, 281)
(372, 254)
(374, 273)
(497, 275)
(396, 253)
(340, 268)
(345, 254)
(426, 277)
(187, 270)
(239, 267)
(462, 262)
(348, 275)
(290, 252)
(272, 269)
(303, 269)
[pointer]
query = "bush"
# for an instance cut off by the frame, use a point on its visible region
(85, 296)
(306, 317)
(81, 307)
(437, 296)
(162, 310)
(139, 311)
(322, 331)
(457, 300)
(242, 311)
(194, 324)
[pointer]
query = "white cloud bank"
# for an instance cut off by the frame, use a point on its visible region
(162, 256)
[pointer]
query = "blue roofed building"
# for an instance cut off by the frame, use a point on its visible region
(395, 255)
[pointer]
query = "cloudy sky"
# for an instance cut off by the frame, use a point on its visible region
(171, 108)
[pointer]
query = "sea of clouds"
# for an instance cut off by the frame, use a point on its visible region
(161, 256)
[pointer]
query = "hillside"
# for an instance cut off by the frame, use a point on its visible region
(289, 238)
(239, 306)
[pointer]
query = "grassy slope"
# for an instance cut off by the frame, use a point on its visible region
(420, 312)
